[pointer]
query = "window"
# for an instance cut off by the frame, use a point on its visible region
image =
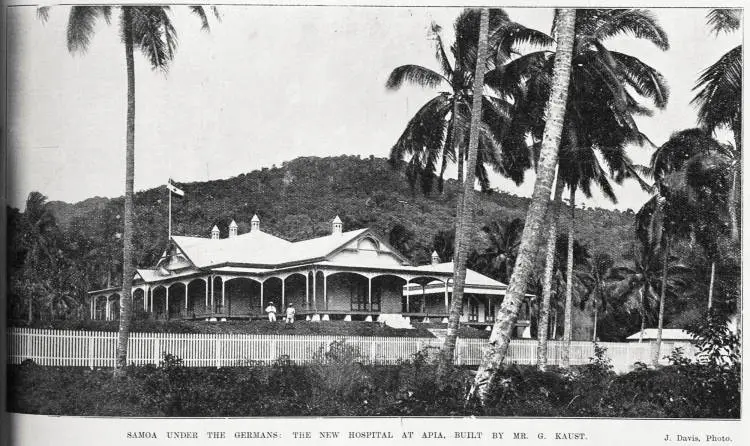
(376, 300)
(489, 311)
(415, 304)
(358, 293)
(473, 311)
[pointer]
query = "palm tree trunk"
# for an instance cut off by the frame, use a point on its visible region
(127, 236)
(549, 268)
(662, 296)
(465, 212)
(642, 312)
(596, 317)
(554, 326)
(568, 324)
(711, 285)
(456, 143)
(732, 207)
(555, 114)
(31, 317)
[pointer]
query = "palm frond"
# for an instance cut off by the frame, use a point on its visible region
(603, 24)
(217, 13)
(724, 20)
(440, 54)
(415, 74)
(645, 80)
(154, 34)
(81, 25)
(42, 13)
(508, 37)
(201, 13)
(423, 141)
(720, 91)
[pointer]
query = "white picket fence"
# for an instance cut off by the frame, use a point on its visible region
(97, 349)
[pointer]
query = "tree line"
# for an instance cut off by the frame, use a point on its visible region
(569, 113)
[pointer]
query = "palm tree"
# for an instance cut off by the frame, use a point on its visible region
(466, 206)
(497, 259)
(40, 246)
(719, 98)
(640, 286)
(438, 132)
(694, 174)
(150, 30)
(599, 123)
(553, 214)
(555, 114)
(696, 177)
(596, 277)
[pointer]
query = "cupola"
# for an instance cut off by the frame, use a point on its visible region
(214, 233)
(337, 227)
(233, 229)
(435, 258)
(255, 223)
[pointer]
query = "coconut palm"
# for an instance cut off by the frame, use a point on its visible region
(39, 244)
(466, 205)
(599, 121)
(595, 277)
(150, 30)
(694, 174)
(555, 113)
(497, 258)
(719, 97)
(639, 286)
(438, 132)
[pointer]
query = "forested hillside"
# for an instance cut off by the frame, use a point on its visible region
(77, 247)
(299, 199)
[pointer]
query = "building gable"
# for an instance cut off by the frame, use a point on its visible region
(367, 249)
(174, 259)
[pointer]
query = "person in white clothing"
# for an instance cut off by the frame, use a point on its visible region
(271, 310)
(290, 312)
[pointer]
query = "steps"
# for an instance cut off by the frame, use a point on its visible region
(395, 321)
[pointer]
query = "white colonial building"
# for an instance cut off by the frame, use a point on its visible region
(353, 275)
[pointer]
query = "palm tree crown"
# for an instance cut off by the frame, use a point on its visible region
(438, 132)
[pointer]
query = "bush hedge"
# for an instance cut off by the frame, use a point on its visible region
(337, 384)
(331, 328)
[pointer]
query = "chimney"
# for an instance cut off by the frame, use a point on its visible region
(215, 233)
(233, 229)
(435, 258)
(337, 226)
(255, 223)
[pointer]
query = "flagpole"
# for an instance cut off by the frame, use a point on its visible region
(169, 227)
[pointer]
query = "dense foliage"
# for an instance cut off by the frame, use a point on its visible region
(337, 384)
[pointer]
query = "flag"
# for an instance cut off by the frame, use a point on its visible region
(172, 188)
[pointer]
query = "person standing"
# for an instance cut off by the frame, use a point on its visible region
(290, 312)
(271, 310)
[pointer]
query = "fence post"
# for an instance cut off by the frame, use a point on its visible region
(273, 352)
(157, 353)
(91, 352)
(373, 345)
(218, 352)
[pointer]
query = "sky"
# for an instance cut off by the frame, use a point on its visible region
(264, 86)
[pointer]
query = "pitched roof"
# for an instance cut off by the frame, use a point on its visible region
(472, 277)
(672, 334)
(260, 248)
